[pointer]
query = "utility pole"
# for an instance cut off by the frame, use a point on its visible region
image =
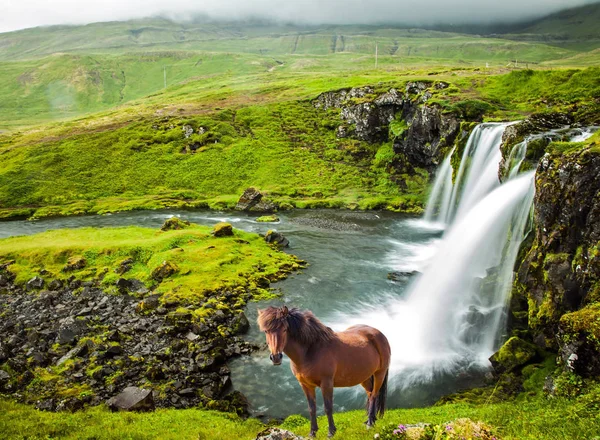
(165, 75)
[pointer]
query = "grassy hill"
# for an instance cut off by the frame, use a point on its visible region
(60, 72)
(575, 28)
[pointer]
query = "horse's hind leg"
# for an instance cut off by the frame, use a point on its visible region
(311, 396)
(368, 386)
(378, 379)
(327, 391)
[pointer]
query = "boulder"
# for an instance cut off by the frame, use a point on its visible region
(513, 354)
(132, 399)
(240, 324)
(35, 283)
(253, 200)
(276, 238)
(222, 230)
(164, 270)
(174, 223)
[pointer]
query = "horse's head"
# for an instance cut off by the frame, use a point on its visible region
(273, 321)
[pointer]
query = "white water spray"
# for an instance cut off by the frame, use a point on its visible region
(453, 315)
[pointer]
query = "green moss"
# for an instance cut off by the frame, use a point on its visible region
(585, 322)
(513, 354)
(268, 219)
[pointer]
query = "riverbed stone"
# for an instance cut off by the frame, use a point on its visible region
(132, 399)
(277, 434)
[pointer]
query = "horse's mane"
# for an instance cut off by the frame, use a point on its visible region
(303, 327)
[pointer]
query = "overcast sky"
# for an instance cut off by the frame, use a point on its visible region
(19, 14)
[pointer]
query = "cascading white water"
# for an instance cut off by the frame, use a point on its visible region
(454, 312)
(475, 177)
(439, 199)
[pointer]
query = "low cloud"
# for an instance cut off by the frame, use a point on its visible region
(19, 14)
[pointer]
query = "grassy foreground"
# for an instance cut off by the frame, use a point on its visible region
(525, 419)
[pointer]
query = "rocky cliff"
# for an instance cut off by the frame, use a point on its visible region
(420, 131)
(556, 290)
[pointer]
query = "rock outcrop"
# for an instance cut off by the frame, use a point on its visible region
(419, 131)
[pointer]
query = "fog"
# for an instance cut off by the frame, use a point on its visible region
(20, 14)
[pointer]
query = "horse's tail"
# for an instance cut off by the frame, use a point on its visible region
(382, 396)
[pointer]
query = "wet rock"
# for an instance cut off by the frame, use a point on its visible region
(165, 270)
(174, 223)
(513, 354)
(132, 399)
(276, 238)
(240, 324)
(277, 434)
(402, 276)
(35, 283)
(253, 200)
(222, 230)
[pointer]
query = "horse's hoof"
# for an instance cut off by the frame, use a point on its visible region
(312, 434)
(331, 433)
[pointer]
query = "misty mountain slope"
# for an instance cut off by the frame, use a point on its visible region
(576, 23)
(162, 34)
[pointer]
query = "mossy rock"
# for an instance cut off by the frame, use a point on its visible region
(75, 263)
(222, 230)
(579, 341)
(174, 223)
(165, 270)
(513, 354)
(268, 219)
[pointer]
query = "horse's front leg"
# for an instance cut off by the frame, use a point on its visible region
(311, 396)
(327, 391)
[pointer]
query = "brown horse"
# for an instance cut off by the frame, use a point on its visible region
(326, 359)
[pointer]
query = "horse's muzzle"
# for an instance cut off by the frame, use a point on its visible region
(276, 358)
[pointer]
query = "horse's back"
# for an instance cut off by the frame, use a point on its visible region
(362, 348)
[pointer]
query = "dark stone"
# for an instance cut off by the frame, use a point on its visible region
(253, 200)
(35, 283)
(132, 285)
(66, 336)
(55, 285)
(75, 263)
(401, 276)
(124, 266)
(240, 324)
(46, 405)
(276, 238)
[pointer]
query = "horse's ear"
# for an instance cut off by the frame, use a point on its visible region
(260, 311)
(285, 310)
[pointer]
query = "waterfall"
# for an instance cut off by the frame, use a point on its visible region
(439, 199)
(452, 317)
(476, 176)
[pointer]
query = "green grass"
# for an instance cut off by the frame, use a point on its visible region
(204, 263)
(527, 418)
